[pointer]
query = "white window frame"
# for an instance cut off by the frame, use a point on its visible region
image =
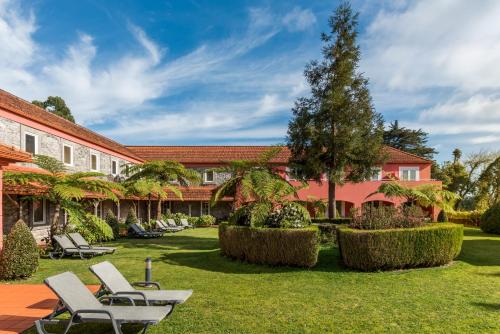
(378, 175)
(72, 155)
(36, 140)
(44, 208)
(409, 168)
(205, 173)
(117, 172)
(201, 208)
(97, 161)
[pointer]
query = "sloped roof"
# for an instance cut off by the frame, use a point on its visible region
(32, 112)
(12, 154)
(221, 154)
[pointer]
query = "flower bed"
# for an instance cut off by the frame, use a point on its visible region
(274, 246)
(368, 250)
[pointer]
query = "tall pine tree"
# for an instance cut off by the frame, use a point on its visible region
(336, 131)
(408, 140)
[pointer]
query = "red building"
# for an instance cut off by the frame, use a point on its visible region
(409, 169)
(26, 130)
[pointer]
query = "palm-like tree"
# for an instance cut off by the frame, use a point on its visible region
(62, 189)
(148, 188)
(262, 186)
(239, 170)
(424, 195)
(266, 192)
(168, 174)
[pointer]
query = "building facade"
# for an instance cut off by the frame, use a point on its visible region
(27, 128)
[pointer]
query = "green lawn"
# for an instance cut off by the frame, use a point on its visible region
(233, 297)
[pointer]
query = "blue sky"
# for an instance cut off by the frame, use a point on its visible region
(227, 72)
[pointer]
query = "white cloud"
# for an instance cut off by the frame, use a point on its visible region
(439, 58)
(299, 19)
(120, 89)
(440, 43)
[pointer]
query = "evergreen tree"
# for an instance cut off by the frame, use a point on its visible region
(336, 130)
(56, 105)
(408, 140)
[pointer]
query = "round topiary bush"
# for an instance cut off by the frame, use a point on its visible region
(490, 220)
(442, 217)
(275, 246)
(19, 257)
(368, 250)
(291, 215)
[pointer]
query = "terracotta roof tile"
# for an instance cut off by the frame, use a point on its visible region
(28, 110)
(221, 154)
(13, 154)
(200, 193)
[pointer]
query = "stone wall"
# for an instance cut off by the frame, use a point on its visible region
(13, 134)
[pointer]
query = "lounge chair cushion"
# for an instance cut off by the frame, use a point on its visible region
(81, 242)
(115, 282)
(77, 297)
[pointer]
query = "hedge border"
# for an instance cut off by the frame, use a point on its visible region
(297, 247)
(432, 245)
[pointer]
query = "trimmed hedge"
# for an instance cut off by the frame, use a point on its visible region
(490, 220)
(19, 257)
(368, 250)
(339, 221)
(327, 233)
(273, 246)
(471, 218)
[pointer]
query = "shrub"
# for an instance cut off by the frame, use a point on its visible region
(112, 221)
(205, 220)
(327, 233)
(291, 247)
(19, 257)
(254, 214)
(131, 218)
(368, 250)
(490, 220)
(91, 227)
(388, 217)
(442, 217)
(291, 215)
(193, 220)
(471, 218)
(338, 221)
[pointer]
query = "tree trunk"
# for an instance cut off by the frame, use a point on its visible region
(55, 220)
(158, 210)
(238, 196)
(332, 203)
(149, 209)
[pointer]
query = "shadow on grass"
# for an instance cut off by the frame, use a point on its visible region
(328, 261)
(483, 251)
(172, 243)
(488, 306)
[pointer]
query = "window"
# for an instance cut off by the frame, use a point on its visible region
(114, 167)
(205, 208)
(94, 162)
(68, 155)
(208, 176)
(409, 173)
(30, 143)
(377, 174)
(38, 212)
